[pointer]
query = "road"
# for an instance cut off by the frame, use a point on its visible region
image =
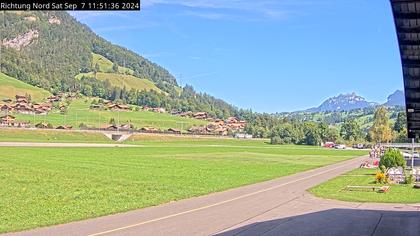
(276, 207)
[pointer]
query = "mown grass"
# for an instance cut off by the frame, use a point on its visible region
(122, 80)
(51, 136)
(105, 65)
(333, 189)
(45, 186)
(10, 87)
(79, 112)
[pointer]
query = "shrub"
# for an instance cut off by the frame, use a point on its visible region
(381, 178)
(383, 169)
(409, 179)
(276, 140)
(392, 158)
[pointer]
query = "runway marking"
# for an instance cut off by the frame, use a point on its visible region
(215, 204)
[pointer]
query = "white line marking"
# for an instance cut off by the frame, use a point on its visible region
(215, 204)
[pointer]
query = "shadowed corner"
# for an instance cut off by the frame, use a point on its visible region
(336, 222)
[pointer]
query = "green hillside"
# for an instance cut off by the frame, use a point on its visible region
(9, 87)
(54, 48)
(79, 112)
(105, 65)
(121, 81)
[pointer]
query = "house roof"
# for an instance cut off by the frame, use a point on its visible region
(407, 22)
(8, 117)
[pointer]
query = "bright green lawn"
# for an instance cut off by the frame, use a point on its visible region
(58, 136)
(44, 186)
(79, 112)
(10, 87)
(365, 177)
(105, 65)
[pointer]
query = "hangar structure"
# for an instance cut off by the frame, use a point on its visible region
(407, 22)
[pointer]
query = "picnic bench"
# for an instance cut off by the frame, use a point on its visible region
(381, 189)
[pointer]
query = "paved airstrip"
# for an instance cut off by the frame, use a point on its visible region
(276, 207)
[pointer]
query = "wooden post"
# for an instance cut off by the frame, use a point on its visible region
(412, 153)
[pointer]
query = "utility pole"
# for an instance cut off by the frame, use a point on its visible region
(412, 153)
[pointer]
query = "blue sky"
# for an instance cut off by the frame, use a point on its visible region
(267, 55)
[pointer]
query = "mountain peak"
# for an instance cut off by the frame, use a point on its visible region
(343, 102)
(396, 99)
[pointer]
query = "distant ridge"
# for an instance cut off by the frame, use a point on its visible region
(343, 102)
(396, 99)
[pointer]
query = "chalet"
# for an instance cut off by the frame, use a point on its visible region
(54, 98)
(64, 127)
(117, 107)
(221, 131)
(231, 120)
(123, 107)
(219, 122)
(7, 120)
(127, 127)
(186, 114)
(175, 112)
(42, 125)
(6, 108)
(159, 110)
(21, 124)
(21, 99)
(41, 109)
(24, 108)
(112, 128)
(174, 131)
(200, 115)
(198, 130)
(7, 100)
(149, 130)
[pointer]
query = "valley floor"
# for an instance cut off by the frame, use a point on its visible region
(44, 186)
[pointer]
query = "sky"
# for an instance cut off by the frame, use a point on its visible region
(265, 55)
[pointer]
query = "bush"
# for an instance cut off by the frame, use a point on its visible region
(409, 179)
(392, 158)
(383, 169)
(276, 140)
(381, 178)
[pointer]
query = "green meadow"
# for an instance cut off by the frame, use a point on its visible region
(46, 186)
(334, 189)
(79, 112)
(9, 87)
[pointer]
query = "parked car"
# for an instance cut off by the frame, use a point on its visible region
(358, 146)
(406, 154)
(340, 146)
(329, 145)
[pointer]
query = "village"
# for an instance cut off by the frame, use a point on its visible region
(22, 104)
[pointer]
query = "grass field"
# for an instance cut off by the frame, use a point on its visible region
(105, 65)
(79, 112)
(365, 177)
(122, 80)
(44, 186)
(57, 136)
(9, 87)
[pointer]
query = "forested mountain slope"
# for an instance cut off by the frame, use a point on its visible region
(49, 49)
